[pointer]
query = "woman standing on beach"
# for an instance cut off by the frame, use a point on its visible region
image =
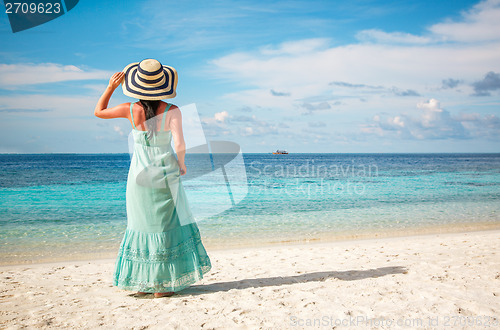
(161, 251)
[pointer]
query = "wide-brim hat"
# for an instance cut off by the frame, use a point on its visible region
(149, 80)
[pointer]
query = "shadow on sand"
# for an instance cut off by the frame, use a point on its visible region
(348, 275)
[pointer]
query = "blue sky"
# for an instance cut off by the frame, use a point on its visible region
(306, 76)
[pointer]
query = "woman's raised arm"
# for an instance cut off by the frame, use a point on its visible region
(101, 109)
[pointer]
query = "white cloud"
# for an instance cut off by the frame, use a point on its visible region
(14, 75)
(433, 122)
(378, 36)
(221, 116)
(247, 131)
(222, 123)
(413, 64)
(431, 112)
(215, 125)
(52, 105)
(119, 130)
(218, 118)
(308, 75)
(480, 24)
(293, 48)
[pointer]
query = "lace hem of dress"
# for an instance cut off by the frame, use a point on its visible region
(178, 284)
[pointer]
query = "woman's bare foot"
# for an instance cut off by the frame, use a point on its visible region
(163, 294)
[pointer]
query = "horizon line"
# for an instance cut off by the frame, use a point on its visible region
(270, 152)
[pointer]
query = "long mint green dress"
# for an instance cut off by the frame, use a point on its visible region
(161, 250)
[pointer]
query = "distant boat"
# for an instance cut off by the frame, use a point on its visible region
(280, 152)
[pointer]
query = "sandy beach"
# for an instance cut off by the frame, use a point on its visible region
(445, 281)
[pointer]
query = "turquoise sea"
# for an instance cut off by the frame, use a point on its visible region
(72, 206)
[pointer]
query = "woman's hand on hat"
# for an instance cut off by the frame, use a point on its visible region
(116, 80)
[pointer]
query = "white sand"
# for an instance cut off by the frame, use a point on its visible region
(438, 280)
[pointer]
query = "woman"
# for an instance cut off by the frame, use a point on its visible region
(161, 251)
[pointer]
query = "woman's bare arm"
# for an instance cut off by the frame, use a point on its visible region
(120, 111)
(177, 134)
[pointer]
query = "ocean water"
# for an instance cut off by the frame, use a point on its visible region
(70, 206)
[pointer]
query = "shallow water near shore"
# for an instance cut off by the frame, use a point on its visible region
(72, 206)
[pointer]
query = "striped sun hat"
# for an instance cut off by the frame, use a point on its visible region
(149, 80)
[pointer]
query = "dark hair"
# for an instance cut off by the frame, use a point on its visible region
(150, 108)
